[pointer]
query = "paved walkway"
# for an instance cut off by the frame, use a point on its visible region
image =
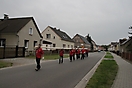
(20, 61)
(124, 75)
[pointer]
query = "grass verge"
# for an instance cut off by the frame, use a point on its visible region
(105, 73)
(5, 64)
(108, 55)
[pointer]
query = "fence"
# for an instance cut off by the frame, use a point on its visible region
(125, 55)
(11, 52)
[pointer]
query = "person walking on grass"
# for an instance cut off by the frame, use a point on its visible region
(39, 53)
(61, 52)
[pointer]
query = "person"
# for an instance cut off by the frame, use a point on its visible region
(61, 52)
(39, 54)
(82, 52)
(77, 53)
(87, 52)
(73, 51)
(71, 55)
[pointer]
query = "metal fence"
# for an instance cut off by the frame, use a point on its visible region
(11, 52)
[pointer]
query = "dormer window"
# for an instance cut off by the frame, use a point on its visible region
(64, 36)
(30, 31)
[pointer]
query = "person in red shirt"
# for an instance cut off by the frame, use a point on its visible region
(71, 55)
(82, 52)
(78, 53)
(61, 52)
(73, 51)
(87, 52)
(39, 54)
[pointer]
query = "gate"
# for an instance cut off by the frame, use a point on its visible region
(11, 52)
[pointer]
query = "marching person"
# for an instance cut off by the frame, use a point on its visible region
(39, 54)
(82, 52)
(71, 55)
(73, 51)
(87, 52)
(78, 53)
(61, 52)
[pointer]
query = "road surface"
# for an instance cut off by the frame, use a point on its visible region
(51, 75)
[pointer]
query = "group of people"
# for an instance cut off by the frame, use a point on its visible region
(79, 53)
(74, 53)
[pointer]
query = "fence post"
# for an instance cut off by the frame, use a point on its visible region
(24, 51)
(17, 51)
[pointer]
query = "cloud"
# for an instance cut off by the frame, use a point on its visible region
(104, 20)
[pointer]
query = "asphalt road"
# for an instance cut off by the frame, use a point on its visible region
(51, 75)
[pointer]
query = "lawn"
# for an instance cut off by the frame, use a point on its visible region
(5, 64)
(105, 74)
(108, 55)
(50, 56)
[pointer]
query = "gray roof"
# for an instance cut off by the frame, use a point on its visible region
(14, 25)
(62, 35)
(83, 38)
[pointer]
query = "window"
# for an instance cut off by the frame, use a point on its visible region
(71, 46)
(46, 45)
(30, 31)
(48, 36)
(64, 45)
(64, 36)
(54, 45)
(54, 37)
(26, 43)
(68, 46)
(2, 42)
(35, 43)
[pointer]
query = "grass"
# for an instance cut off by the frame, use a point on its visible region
(5, 64)
(54, 56)
(50, 56)
(104, 75)
(108, 55)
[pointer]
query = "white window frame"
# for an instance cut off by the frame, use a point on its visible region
(30, 31)
(26, 43)
(48, 36)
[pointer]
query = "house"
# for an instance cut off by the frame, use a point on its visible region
(114, 46)
(58, 38)
(21, 32)
(126, 46)
(81, 41)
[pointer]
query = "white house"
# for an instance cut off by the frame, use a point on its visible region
(58, 38)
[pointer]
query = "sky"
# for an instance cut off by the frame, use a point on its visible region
(105, 21)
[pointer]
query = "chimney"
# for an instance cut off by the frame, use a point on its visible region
(6, 17)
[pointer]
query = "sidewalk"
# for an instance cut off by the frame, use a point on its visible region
(124, 75)
(20, 61)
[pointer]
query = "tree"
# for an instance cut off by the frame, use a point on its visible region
(89, 39)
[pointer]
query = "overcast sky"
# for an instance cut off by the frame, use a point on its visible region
(104, 20)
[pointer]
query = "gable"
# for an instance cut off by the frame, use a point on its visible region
(61, 34)
(83, 39)
(14, 25)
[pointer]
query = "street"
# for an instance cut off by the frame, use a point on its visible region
(51, 75)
